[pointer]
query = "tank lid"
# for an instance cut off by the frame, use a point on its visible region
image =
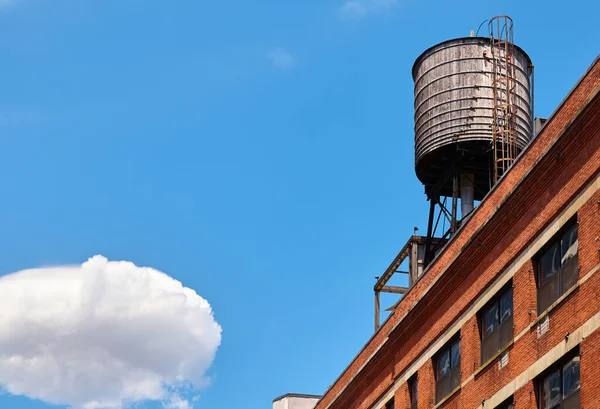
(471, 40)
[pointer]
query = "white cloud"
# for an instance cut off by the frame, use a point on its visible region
(176, 402)
(360, 8)
(281, 57)
(103, 334)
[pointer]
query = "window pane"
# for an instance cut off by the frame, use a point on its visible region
(508, 404)
(569, 244)
(490, 320)
(455, 355)
(506, 305)
(443, 365)
(551, 391)
(548, 264)
(414, 390)
(571, 376)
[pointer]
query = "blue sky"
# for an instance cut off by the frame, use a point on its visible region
(260, 153)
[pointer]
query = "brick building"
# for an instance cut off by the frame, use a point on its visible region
(507, 315)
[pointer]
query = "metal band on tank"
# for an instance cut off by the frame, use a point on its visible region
(434, 124)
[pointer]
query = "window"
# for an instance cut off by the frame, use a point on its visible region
(413, 391)
(557, 267)
(559, 389)
(447, 370)
(507, 404)
(390, 404)
(496, 320)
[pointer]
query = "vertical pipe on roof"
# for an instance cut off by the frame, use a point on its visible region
(467, 193)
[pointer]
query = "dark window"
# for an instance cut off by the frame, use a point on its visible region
(447, 370)
(559, 388)
(507, 404)
(496, 320)
(413, 390)
(557, 267)
(390, 404)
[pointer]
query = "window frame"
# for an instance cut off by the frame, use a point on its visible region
(507, 404)
(503, 332)
(390, 404)
(550, 289)
(447, 383)
(413, 391)
(573, 398)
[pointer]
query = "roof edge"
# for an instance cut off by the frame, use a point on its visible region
(296, 395)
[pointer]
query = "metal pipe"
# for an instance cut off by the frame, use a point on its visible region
(453, 221)
(377, 309)
(467, 193)
(531, 99)
(430, 232)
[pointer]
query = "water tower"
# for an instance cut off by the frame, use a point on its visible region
(473, 116)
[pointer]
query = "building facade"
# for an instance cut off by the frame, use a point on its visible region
(295, 401)
(507, 315)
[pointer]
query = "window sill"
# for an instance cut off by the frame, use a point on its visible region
(447, 398)
(487, 363)
(552, 306)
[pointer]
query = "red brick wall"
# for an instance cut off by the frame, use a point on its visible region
(589, 222)
(401, 397)
(496, 233)
(526, 398)
(590, 372)
(426, 385)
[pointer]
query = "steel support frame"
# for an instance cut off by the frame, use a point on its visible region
(381, 286)
(433, 195)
